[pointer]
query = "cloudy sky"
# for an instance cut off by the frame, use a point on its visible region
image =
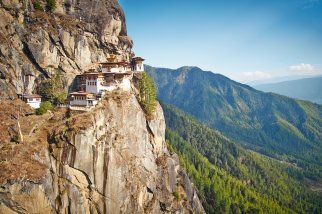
(245, 40)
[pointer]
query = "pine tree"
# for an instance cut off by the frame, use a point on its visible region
(148, 94)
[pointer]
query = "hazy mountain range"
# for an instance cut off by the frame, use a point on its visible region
(305, 89)
(279, 79)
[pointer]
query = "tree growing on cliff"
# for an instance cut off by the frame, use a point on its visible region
(44, 107)
(148, 95)
(61, 97)
(53, 89)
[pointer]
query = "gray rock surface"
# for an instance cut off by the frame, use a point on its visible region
(109, 160)
(34, 45)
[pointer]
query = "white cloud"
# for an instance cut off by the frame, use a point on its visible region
(256, 75)
(302, 68)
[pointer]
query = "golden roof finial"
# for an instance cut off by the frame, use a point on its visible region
(111, 58)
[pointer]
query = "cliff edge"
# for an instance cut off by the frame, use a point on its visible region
(111, 159)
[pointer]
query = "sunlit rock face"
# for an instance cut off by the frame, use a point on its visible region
(77, 34)
(109, 160)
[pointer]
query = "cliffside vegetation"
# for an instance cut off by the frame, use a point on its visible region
(44, 107)
(53, 89)
(51, 4)
(147, 94)
(233, 180)
(37, 5)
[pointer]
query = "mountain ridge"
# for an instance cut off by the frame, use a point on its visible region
(305, 89)
(271, 124)
(211, 159)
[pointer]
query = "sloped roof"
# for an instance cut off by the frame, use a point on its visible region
(31, 96)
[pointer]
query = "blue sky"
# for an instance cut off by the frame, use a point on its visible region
(245, 40)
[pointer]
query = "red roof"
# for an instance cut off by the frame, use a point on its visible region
(116, 73)
(31, 96)
(90, 73)
(80, 93)
(113, 63)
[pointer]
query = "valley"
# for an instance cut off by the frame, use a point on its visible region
(247, 151)
(232, 179)
(273, 125)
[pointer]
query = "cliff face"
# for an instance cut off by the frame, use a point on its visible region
(34, 45)
(109, 160)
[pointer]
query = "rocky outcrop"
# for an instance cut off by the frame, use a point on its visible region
(34, 45)
(109, 160)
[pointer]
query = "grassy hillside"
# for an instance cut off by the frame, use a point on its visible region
(305, 89)
(231, 179)
(271, 124)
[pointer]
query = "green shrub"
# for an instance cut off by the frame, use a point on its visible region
(44, 107)
(51, 4)
(53, 89)
(176, 195)
(148, 94)
(60, 98)
(37, 5)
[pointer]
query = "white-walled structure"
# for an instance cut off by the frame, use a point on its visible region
(119, 67)
(82, 98)
(114, 66)
(137, 64)
(97, 82)
(33, 100)
(94, 82)
(109, 76)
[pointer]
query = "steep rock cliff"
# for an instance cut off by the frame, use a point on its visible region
(36, 44)
(109, 160)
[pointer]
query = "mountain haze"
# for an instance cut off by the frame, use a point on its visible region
(271, 124)
(305, 89)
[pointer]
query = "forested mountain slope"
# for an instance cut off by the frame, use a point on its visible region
(274, 125)
(232, 179)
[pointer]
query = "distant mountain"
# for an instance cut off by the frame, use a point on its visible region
(275, 125)
(305, 89)
(278, 79)
(231, 179)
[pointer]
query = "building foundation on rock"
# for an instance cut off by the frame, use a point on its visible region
(108, 76)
